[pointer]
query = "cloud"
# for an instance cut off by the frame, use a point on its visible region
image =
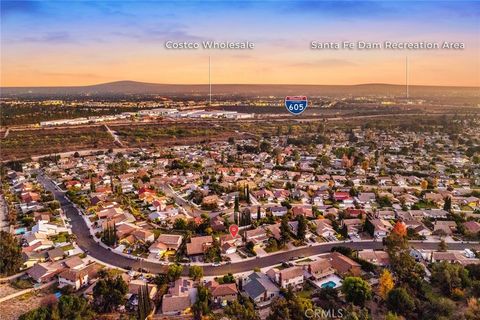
(325, 63)
(158, 33)
(50, 37)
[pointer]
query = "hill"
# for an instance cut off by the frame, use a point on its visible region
(134, 87)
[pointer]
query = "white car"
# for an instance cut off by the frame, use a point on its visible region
(216, 264)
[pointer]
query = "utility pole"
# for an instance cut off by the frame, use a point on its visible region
(209, 84)
(406, 75)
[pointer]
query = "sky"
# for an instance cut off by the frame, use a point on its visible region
(60, 43)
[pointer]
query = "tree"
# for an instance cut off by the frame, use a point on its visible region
(109, 293)
(201, 307)
(442, 245)
(213, 253)
(279, 310)
(406, 269)
(236, 206)
(174, 272)
(473, 271)
(391, 316)
(284, 230)
(400, 228)
(180, 224)
(424, 184)
(259, 214)
(437, 308)
(449, 276)
(227, 278)
(400, 301)
(196, 272)
(302, 228)
(11, 254)
(42, 313)
(69, 307)
(447, 206)
(291, 307)
(109, 235)
(356, 290)
(369, 227)
(365, 165)
(385, 283)
(75, 307)
(144, 305)
(250, 247)
(241, 310)
(265, 146)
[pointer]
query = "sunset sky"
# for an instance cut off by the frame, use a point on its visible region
(80, 43)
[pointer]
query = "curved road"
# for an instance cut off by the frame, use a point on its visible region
(87, 243)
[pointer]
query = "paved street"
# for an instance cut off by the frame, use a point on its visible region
(86, 243)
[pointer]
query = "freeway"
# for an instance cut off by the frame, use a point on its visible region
(88, 244)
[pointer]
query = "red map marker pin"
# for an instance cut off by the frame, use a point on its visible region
(233, 230)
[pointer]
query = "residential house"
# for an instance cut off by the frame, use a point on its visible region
(48, 228)
(378, 258)
(198, 245)
(143, 235)
(55, 254)
(319, 269)
(305, 211)
(353, 226)
(324, 228)
(436, 214)
(381, 227)
(74, 262)
(260, 289)
(444, 227)
(289, 277)
(278, 211)
(33, 257)
(472, 227)
(453, 257)
(44, 272)
(366, 197)
(344, 265)
(135, 285)
(257, 236)
(74, 278)
(222, 293)
(166, 242)
(385, 214)
(179, 298)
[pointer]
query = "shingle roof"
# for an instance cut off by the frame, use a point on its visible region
(258, 284)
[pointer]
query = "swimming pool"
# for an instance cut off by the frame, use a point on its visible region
(329, 284)
(331, 281)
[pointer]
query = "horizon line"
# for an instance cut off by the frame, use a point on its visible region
(240, 84)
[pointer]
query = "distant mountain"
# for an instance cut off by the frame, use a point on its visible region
(134, 87)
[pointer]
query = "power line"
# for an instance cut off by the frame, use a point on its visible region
(209, 83)
(406, 75)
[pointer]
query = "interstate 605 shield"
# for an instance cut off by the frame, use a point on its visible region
(296, 104)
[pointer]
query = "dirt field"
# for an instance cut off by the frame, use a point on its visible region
(14, 308)
(21, 144)
(6, 289)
